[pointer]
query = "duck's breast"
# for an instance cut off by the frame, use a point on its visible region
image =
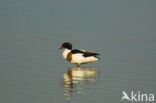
(65, 53)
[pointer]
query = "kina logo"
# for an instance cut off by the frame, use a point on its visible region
(137, 97)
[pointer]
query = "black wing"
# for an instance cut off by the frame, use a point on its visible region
(88, 54)
(77, 51)
(85, 53)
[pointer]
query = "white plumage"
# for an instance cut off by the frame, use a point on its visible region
(79, 58)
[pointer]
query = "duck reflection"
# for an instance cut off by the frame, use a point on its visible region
(77, 81)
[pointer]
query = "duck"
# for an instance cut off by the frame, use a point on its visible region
(76, 56)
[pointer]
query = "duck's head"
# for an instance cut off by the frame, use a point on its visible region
(66, 45)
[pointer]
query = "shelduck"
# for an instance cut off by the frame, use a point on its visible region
(77, 56)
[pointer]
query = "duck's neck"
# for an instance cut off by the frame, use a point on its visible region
(65, 53)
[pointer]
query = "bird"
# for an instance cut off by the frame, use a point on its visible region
(76, 56)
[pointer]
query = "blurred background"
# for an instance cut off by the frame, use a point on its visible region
(32, 69)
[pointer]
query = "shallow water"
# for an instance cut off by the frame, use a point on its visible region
(32, 69)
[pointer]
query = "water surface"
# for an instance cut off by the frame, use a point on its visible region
(32, 69)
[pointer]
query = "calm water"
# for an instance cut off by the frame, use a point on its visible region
(32, 69)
